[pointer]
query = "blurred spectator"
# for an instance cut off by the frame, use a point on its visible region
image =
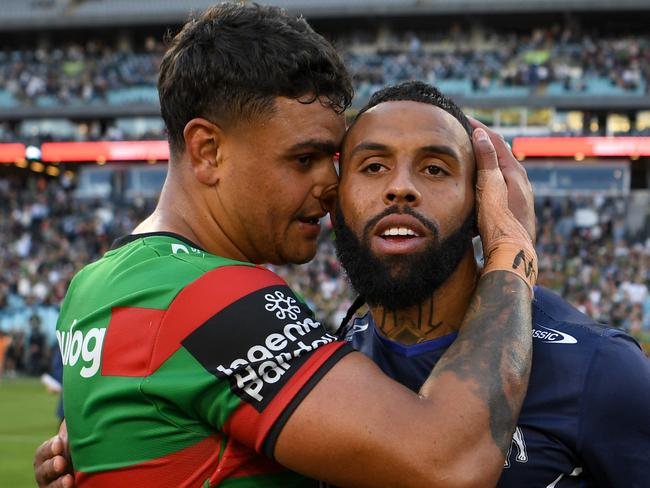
(5, 342)
(37, 347)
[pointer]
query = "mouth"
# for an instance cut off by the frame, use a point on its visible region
(309, 224)
(310, 220)
(398, 234)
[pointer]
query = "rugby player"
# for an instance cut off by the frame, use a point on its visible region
(188, 364)
(585, 421)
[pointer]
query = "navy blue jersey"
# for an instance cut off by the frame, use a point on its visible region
(585, 421)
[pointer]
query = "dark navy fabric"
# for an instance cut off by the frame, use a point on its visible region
(585, 421)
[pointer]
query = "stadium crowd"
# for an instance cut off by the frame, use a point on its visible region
(78, 72)
(46, 235)
(488, 59)
(87, 72)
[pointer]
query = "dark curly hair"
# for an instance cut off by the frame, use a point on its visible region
(230, 63)
(418, 91)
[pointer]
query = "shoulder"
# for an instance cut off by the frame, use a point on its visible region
(588, 357)
(555, 321)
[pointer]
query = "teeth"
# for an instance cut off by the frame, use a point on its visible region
(399, 231)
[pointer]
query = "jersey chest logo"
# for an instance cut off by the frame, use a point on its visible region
(86, 346)
(552, 336)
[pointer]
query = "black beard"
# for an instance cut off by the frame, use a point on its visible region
(399, 282)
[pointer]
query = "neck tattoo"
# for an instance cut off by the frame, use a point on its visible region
(401, 326)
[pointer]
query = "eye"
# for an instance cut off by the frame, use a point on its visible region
(373, 168)
(434, 170)
(305, 159)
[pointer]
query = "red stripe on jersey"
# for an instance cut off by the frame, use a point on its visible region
(188, 467)
(129, 340)
(251, 427)
(239, 461)
(202, 299)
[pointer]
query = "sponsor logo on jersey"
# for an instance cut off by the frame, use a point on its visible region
(283, 306)
(519, 443)
(548, 336)
(181, 248)
(86, 347)
(258, 343)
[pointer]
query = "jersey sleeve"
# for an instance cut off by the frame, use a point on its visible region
(615, 426)
(261, 345)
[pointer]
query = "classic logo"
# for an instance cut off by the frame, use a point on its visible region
(549, 335)
(75, 345)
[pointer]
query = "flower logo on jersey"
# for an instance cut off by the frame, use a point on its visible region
(282, 305)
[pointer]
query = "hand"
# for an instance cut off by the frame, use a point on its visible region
(52, 463)
(520, 192)
(507, 243)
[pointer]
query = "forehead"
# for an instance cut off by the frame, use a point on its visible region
(409, 124)
(293, 121)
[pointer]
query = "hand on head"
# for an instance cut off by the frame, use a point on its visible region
(502, 188)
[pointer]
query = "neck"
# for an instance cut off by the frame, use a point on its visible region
(440, 314)
(183, 210)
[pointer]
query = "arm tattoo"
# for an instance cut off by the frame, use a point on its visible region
(496, 335)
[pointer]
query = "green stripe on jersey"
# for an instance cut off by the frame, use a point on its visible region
(194, 390)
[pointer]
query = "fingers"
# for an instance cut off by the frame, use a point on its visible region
(63, 434)
(520, 192)
(50, 465)
(46, 450)
(486, 155)
(48, 472)
(66, 482)
(504, 152)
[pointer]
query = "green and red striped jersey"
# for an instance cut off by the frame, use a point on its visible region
(182, 367)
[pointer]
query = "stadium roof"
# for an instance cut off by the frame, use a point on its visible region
(50, 14)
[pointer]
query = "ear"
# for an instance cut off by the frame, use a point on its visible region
(203, 142)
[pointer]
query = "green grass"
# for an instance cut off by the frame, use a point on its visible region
(27, 418)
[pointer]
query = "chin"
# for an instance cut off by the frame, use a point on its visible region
(298, 256)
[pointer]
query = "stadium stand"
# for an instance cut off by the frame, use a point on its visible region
(85, 70)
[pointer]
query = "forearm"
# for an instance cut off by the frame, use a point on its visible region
(484, 375)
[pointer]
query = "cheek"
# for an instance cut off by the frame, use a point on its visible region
(354, 200)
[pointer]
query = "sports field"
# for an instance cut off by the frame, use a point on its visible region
(27, 418)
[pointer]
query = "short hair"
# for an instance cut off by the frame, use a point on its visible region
(417, 91)
(230, 63)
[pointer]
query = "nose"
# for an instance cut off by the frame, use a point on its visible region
(401, 189)
(326, 184)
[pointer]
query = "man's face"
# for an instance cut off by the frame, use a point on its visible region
(405, 211)
(276, 172)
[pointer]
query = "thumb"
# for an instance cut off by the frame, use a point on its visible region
(486, 154)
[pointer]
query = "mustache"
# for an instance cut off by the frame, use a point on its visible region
(406, 210)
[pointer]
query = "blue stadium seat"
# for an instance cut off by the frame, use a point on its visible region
(7, 100)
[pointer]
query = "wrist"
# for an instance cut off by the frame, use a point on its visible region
(515, 257)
